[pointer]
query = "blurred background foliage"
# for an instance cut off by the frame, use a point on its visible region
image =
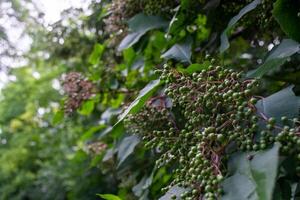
(56, 144)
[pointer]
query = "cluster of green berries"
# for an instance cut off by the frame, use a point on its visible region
(287, 135)
(233, 7)
(261, 16)
(218, 110)
(210, 111)
(159, 7)
(122, 10)
(152, 122)
(115, 23)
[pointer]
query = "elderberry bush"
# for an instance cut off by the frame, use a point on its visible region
(211, 111)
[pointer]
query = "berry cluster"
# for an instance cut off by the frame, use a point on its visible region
(233, 7)
(159, 7)
(78, 89)
(210, 111)
(151, 116)
(96, 147)
(261, 16)
(122, 10)
(115, 23)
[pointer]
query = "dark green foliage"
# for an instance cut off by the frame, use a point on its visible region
(218, 111)
(134, 101)
(286, 12)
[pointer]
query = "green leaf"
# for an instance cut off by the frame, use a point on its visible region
(142, 22)
(266, 67)
(283, 190)
(127, 147)
(114, 131)
(288, 77)
(277, 57)
(96, 54)
(174, 19)
(143, 185)
(109, 154)
(138, 64)
(87, 107)
(282, 103)
(286, 14)
(129, 56)
(79, 157)
(175, 190)
(96, 160)
(224, 37)
(264, 167)
(89, 133)
(286, 48)
(110, 113)
(58, 117)
(212, 4)
(139, 25)
(138, 189)
(181, 52)
(239, 187)
(130, 40)
(195, 67)
(252, 179)
(109, 196)
(184, 4)
(139, 102)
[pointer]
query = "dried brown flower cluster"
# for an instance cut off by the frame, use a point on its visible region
(115, 25)
(78, 89)
(122, 10)
(159, 7)
(96, 147)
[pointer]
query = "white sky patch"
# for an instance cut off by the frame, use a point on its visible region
(54, 105)
(3, 141)
(261, 43)
(36, 75)
(3, 79)
(56, 84)
(246, 56)
(41, 111)
(53, 8)
(270, 46)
